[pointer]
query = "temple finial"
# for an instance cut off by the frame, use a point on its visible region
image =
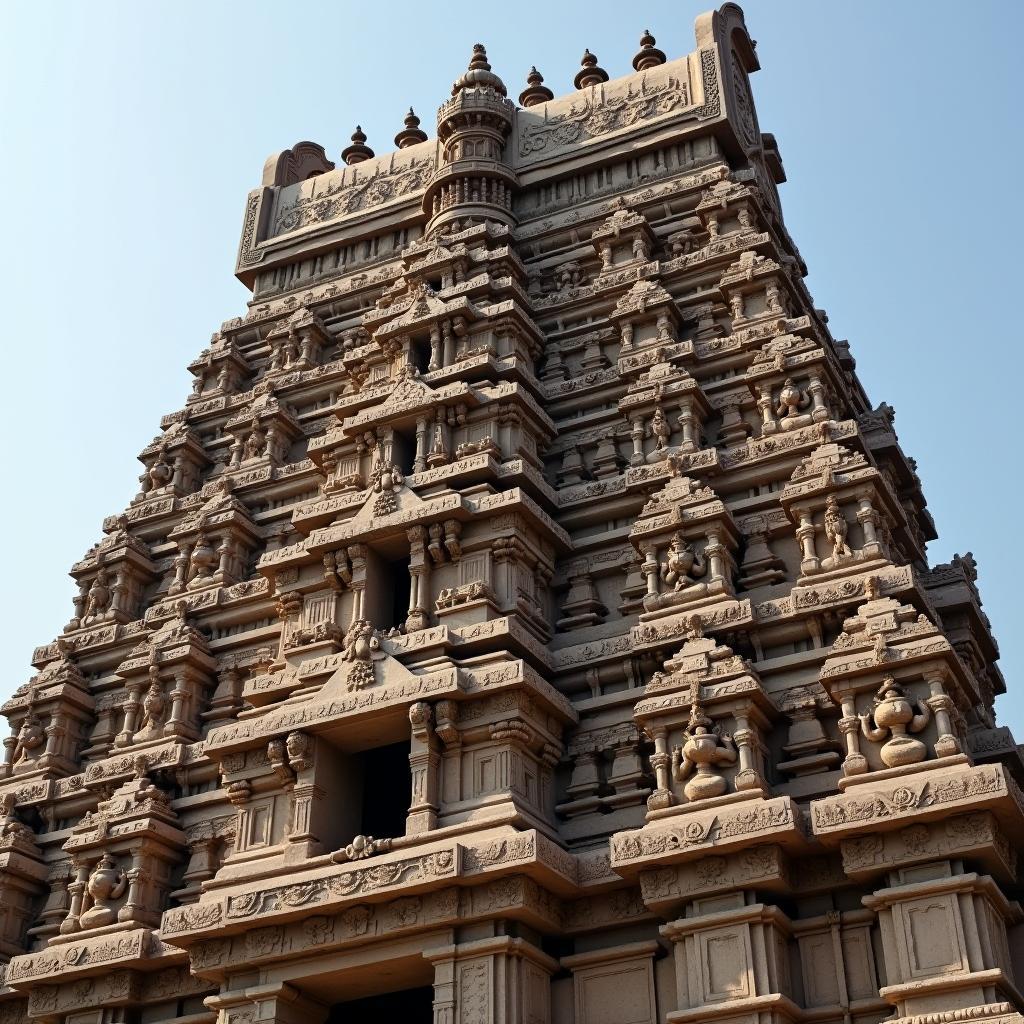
(479, 74)
(648, 56)
(589, 73)
(358, 151)
(411, 134)
(535, 91)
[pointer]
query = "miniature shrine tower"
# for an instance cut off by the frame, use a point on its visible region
(525, 620)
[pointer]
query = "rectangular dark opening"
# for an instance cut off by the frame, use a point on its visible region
(387, 790)
(410, 1006)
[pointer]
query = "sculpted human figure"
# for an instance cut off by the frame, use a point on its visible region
(31, 736)
(661, 432)
(835, 529)
(154, 708)
(99, 597)
(792, 402)
(107, 883)
(704, 750)
(894, 716)
(255, 443)
(681, 568)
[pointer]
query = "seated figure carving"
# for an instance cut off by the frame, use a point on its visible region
(154, 709)
(792, 402)
(99, 598)
(31, 736)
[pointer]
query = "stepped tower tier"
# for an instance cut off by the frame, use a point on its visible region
(526, 618)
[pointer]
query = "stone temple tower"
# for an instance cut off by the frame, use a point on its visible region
(525, 620)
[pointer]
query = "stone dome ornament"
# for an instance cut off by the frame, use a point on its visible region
(479, 74)
(649, 56)
(411, 134)
(589, 73)
(358, 151)
(535, 91)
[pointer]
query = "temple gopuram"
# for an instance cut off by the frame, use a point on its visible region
(526, 619)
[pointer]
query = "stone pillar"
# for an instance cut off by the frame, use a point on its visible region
(447, 344)
(944, 943)
(718, 558)
(499, 980)
(357, 557)
(273, 1003)
(688, 424)
(131, 716)
(178, 722)
(435, 349)
(636, 434)
(661, 762)
(855, 763)
(419, 581)
(942, 705)
(424, 764)
(819, 410)
(868, 519)
(725, 967)
(419, 464)
(77, 907)
(748, 746)
(809, 561)
(56, 730)
(626, 333)
(650, 571)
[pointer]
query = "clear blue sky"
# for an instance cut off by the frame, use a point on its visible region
(131, 133)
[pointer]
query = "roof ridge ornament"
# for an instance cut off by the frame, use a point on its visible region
(589, 73)
(358, 151)
(535, 92)
(648, 56)
(412, 134)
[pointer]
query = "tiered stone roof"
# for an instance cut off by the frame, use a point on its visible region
(526, 591)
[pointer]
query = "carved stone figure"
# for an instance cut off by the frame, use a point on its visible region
(160, 472)
(107, 884)
(682, 566)
(99, 598)
(705, 749)
(360, 643)
(154, 710)
(893, 715)
(255, 442)
(792, 402)
(31, 737)
(203, 560)
(836, 529)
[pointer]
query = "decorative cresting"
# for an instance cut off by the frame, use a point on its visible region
(474, 181)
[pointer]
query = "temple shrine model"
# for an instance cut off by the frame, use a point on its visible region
(526, 619)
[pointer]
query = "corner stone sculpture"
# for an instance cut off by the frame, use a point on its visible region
(526, 620)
